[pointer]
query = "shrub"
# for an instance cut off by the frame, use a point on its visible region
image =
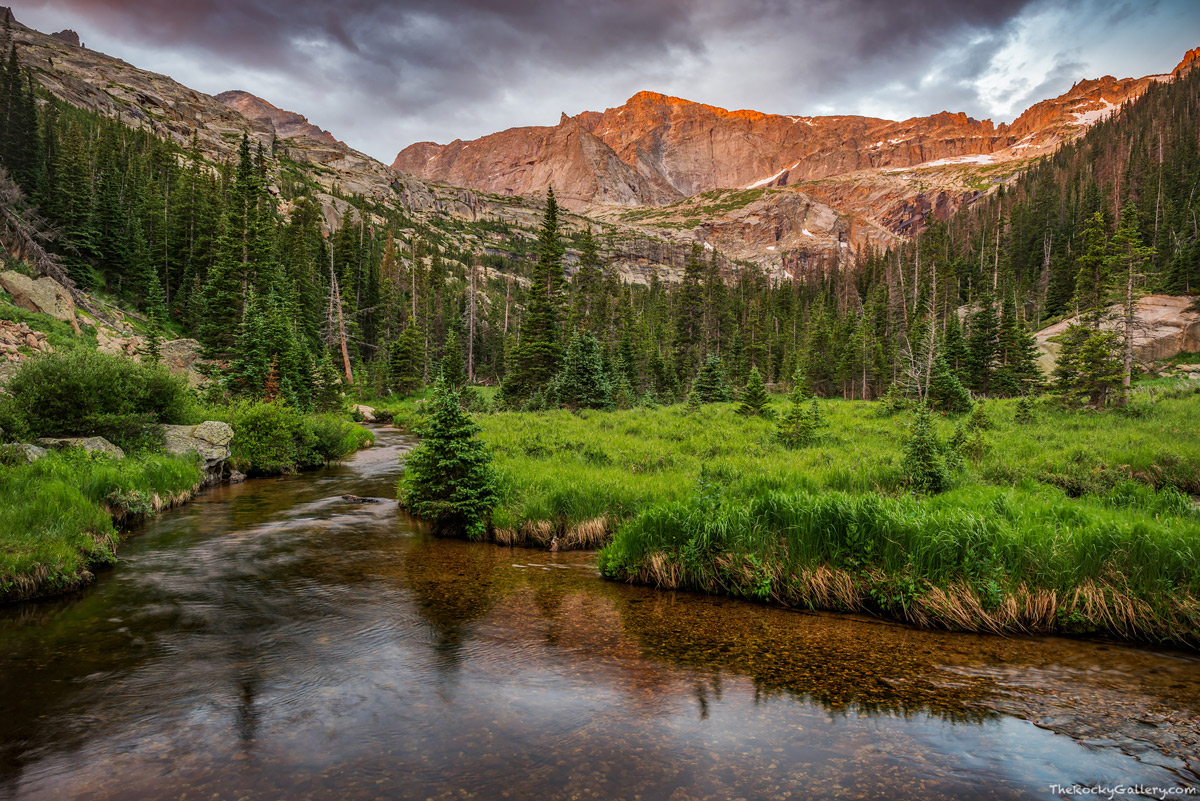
(271, 438)
(449, 478)
(88, 393)
(332, 438)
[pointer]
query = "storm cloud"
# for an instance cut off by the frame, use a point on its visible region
(382, 74)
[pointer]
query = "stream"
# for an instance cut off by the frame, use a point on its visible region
(275, 640)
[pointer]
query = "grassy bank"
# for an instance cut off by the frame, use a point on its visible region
(981, 558)
(1075, 522)
(59, 515)
(565, 473)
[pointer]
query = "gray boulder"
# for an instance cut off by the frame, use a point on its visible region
(31, 452)
(365, 412)
(44, 295)
(89, 444)
(210, 439)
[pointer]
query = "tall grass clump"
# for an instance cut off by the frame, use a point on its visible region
(981, 559)
(57, 514)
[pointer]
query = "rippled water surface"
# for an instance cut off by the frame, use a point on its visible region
(274, 640)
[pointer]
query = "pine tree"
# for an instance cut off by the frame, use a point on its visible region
(801, 424)
(801, 390)
(406, 362)
(946, 392)
(983, 345)
(1092, 279)
(1128, 260)
(1089, 367)
(1024, 414)
(327, 390)
(449, 478)
(924, 464)
(536, 360)
(247, 373)
(151, 350)
(954, 348)
(709, 386)
(454, 366)
(755, 400)
(583, 384)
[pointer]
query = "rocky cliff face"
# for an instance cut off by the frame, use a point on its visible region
(286, 124)
(680, 148)
(524, 161)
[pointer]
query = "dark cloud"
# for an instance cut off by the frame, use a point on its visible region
(382, 74)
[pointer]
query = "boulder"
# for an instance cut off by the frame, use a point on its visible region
(236, 477)
(210, 439)
(1166, 325)
(115, 343)
(44, 295)
(365, 412)
(89, 444)
(31, 452)
(182, 356)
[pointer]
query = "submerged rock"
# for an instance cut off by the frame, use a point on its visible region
(361, 499)
(89, 444)
(210, 439)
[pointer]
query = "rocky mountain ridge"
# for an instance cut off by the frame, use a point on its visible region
(680, 148)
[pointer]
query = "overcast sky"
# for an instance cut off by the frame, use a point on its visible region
(382, 74)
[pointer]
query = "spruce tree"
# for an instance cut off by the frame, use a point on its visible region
(1092, 279)
(755, 400)
(801, 390)
(924, 463)
(946, 393)
(1089, 367)
(406, 361)
(536, 360)
(709, 386)
(327, 389)
(247, 372)
(454, 365)
(802, 423)
(983, 345)
(583, 384)
(449, 478)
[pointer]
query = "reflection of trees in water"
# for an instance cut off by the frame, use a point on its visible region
(453, 586)
(844, 666)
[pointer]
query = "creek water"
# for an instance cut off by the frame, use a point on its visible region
(274, 640)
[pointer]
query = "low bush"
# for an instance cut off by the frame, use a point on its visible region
(88, 393)
(272, 438)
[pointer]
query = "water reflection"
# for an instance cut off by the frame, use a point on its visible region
(275, 640)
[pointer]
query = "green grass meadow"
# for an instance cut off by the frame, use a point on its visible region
(57, 514)
(1078, 522)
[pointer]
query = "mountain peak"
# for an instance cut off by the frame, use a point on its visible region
(287, 124)
(1189, 60)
